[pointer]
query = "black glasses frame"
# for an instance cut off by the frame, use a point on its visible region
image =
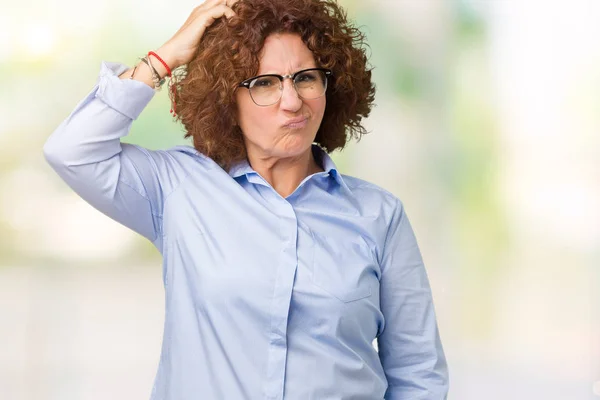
(246, 83)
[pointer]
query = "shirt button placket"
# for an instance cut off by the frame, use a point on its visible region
(280, 304)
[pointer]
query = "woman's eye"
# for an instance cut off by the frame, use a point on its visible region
(266, 82)
(307, 77)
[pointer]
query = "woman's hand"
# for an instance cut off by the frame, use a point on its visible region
(180, 49)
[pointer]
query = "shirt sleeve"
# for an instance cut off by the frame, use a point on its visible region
(409, 347)
(120, 180)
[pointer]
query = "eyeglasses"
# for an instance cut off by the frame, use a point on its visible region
(266, 90)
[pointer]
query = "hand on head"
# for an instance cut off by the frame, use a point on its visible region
(180, 49)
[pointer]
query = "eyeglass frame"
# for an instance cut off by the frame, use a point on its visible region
(246, 83)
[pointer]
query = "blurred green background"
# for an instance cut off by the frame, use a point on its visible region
(487, 126)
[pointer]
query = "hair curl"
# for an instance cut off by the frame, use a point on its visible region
(229, 52)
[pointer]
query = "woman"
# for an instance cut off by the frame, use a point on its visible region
(279, 271)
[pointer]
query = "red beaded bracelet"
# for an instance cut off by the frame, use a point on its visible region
(173, 89)
(151, 53)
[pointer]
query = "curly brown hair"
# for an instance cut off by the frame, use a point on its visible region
(229, 53)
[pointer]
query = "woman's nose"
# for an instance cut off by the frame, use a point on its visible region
(290, 100)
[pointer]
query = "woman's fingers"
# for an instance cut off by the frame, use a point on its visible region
(212, 3)
(216, 12)
(183, 45)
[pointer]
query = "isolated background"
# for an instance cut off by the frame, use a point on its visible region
(487, 126)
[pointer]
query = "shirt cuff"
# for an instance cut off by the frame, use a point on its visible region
(127, 96)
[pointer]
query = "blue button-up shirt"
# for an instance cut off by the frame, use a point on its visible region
(266, 297)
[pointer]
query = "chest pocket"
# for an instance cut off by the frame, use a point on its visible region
(343, 269)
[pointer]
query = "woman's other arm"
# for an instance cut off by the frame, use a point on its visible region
(410, 349)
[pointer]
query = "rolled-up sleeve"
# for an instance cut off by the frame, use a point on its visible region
(410, 348)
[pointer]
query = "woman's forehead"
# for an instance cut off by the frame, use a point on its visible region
(284, 53)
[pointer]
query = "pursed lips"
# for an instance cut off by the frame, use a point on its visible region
(295, 122)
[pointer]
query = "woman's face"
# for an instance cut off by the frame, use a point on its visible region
(266, 130)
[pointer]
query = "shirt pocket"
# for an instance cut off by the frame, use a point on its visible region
(342, 267)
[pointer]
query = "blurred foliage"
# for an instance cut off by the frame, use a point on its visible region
(471, 170)
(394, 65)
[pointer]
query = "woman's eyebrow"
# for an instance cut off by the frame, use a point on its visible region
(273, 72)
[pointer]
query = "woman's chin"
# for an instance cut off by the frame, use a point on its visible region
(297, 146)
(291, 145)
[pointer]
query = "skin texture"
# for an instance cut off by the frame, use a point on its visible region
(280, 154)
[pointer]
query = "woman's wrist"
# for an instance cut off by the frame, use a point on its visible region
(167, 56)
(140, 72)
(144, 72)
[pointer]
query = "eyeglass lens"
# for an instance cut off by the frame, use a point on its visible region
(267, 90)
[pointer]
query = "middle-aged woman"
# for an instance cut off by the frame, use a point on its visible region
(279, 271)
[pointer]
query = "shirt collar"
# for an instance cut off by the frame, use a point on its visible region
(244, 168)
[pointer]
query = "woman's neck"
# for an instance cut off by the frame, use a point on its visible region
(285, 174)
